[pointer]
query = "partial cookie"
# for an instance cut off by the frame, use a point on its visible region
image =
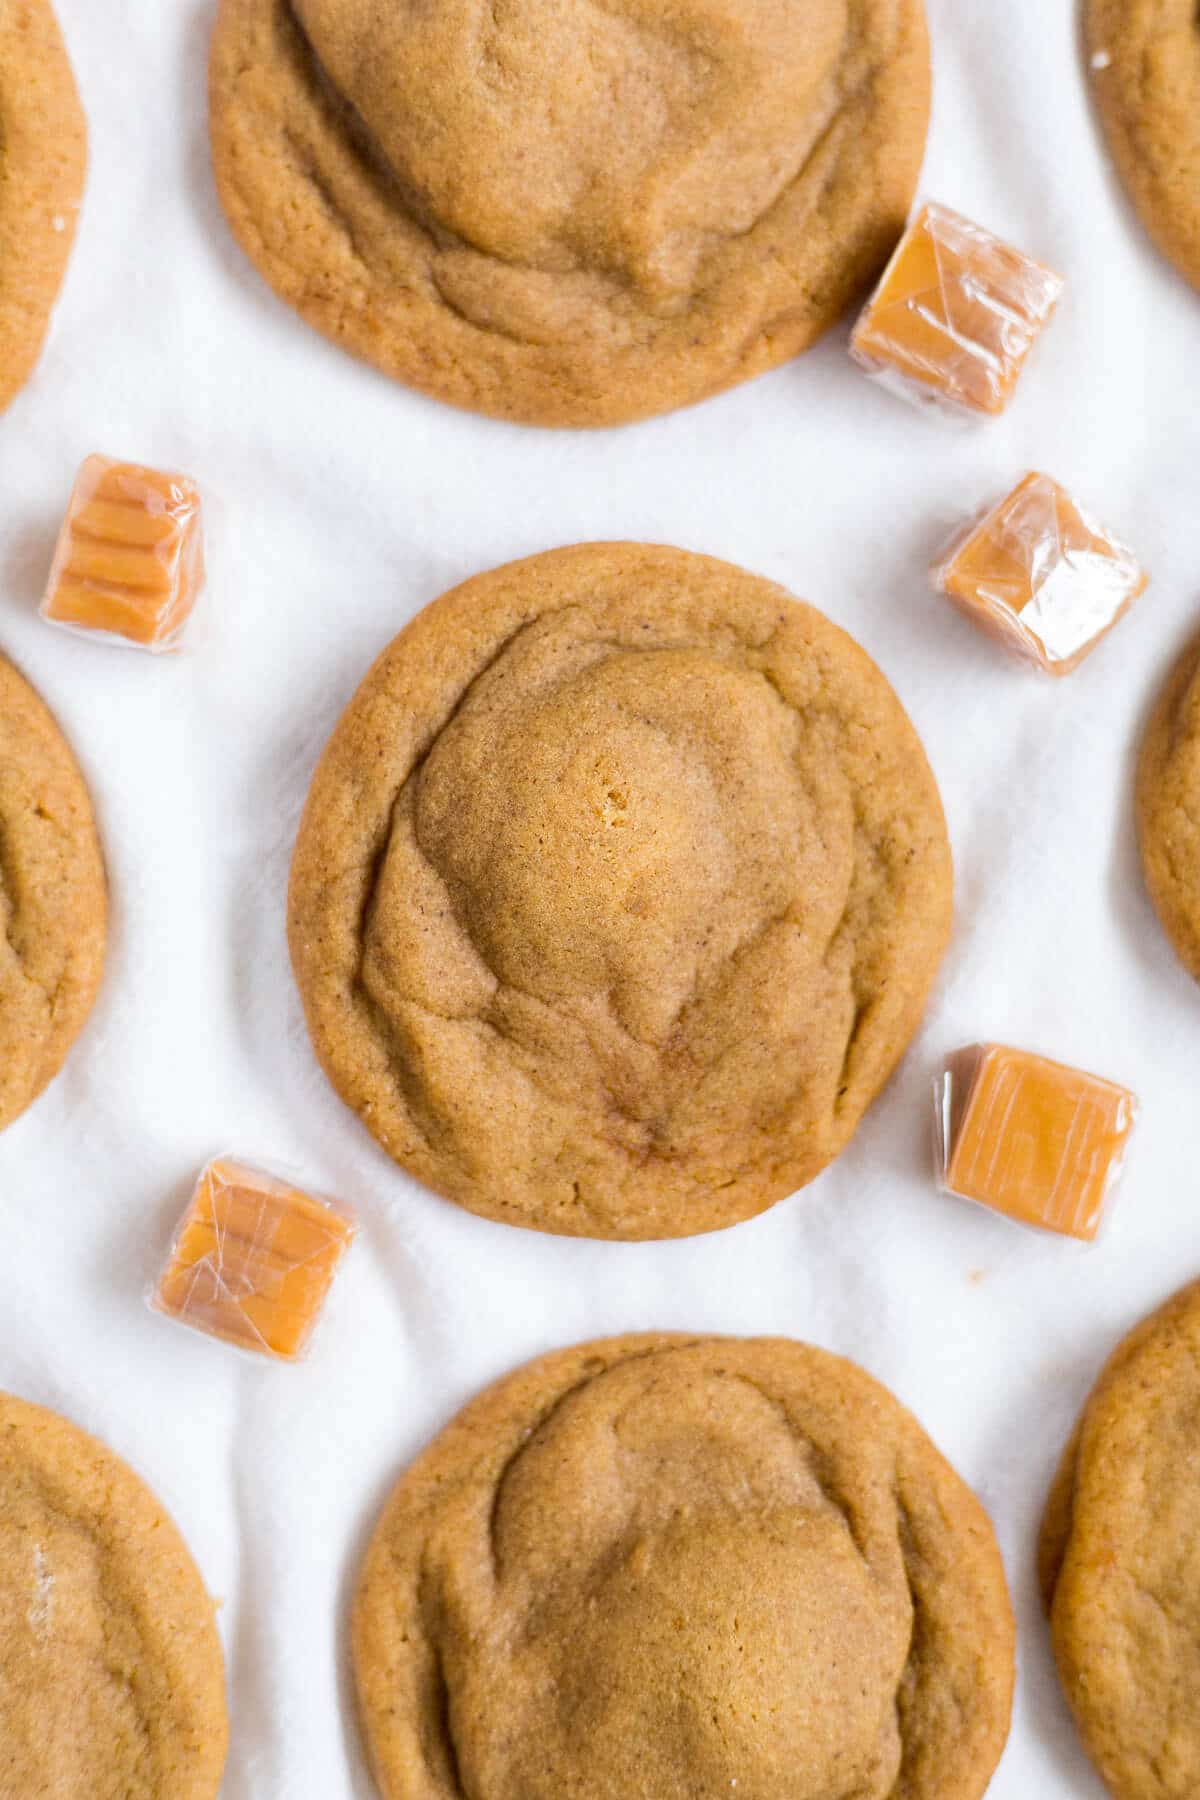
(1168, 808)
(1120, 1561)
(43, 162)
(569, 214)
(53, 899)
(677, 1567)
(111, 1677)
(618, 893)
(1145, 62)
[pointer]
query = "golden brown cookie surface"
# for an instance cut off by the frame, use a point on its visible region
(43, 160)
(569, 212)
(1145, 64)
(618, 893)
(680, 1567)
(53, 899)
(111, 1677)
(1120, 1561)
(1168, 807)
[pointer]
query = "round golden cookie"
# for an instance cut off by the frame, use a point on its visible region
(1168, 807)
(569, 212)
(111, 1680)
(43, 162)
(618, 893)
(678, 1567)
(1145, 63)
(53, 898)
(1120, 1561)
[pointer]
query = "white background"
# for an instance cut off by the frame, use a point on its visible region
(337, 505)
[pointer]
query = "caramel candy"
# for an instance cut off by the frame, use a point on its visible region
(130, 557)
(1034, 1139)
(955, 314)
(1041, 576)
(253, 1260)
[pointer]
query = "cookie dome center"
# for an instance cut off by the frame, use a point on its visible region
(614, 836)
(746, 1656)
(612, 135)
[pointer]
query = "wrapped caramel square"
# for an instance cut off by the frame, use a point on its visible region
(129, 564)
(1039, 574)
(253, 1260)
(955, 314)
(1031, 1138)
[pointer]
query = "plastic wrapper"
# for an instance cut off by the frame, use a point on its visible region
(129, 565)
(253, 1260)
(955, 315)
(1033, 1139)
(1041, 576)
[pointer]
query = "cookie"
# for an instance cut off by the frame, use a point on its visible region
(1120, 1561)
(43, 162)
(111, 1678)
(618, 893)
(1168, 807)
(1145, 63)
(677, 1567)
(569, 213)
(53, 898)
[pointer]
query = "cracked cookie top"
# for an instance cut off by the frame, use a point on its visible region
(1120, 1561)
(111, 1676)
(683, 1567)
(53, 900)
(43, 161)
(569, 211)
(618, 893)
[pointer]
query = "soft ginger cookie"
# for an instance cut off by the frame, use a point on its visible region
(1145, 64)
(1168, 807)
(53, 899)
(677, 1567)
(43, 161)
(569, 212)
(1120, 1561)
(618, 893)
(112, 1685)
